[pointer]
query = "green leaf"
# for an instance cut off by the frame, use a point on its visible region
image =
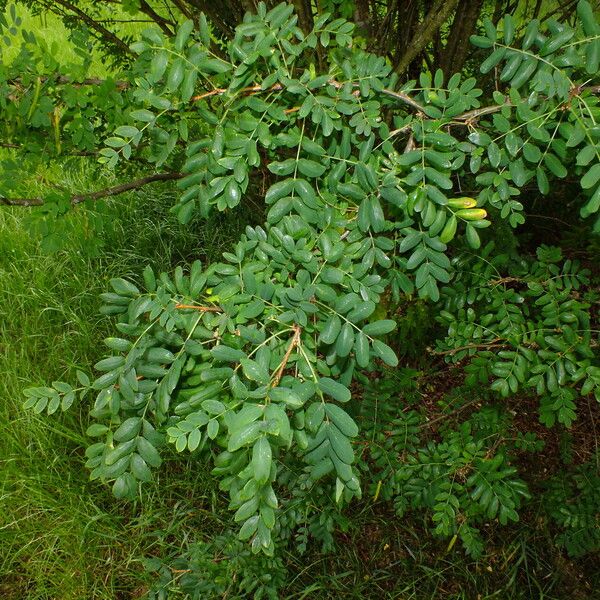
(158, 66)
(96, 430)
(124, 287)
(194, 439)
(83, 379)
(377, 328)
(331, 330)
(214, 407)
(183, 34)
(128, 429)
(449, 230)
(509, 30)
(310, 168)
(261, 460)
(342, 420)
(254, 371)
(340, 445)
(481, 42)
(248, 529)
(542, 181)
(472, 237)
(139, 468)
(212, 429)
(361, 350)
(244, 437)
(334, 389)
(148, 452)
(345, 340)
(176, 74)
(143, 115)
(591, 178)
(227, 354)
(554, 164)
(385, 353)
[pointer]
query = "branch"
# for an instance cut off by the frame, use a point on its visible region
(64, 80)
(253, 89)
(293, 343)
(436, 16)
(108, 35)
(198, 308)
(105, 193)
(403, 98)
(496, 343)
(163, 23)
(473, 115)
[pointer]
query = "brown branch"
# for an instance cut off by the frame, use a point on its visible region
(105, 33)
(64, 80)
(472, 115)
(105, 193)
(126, 21)
(198, 308)
(253, 89)
(453, 413)
(286, 357)
(185, 11)
(163, 23)
(493, 344)
(75, 153)
(436, 16)
(455, 51)
(403, 98)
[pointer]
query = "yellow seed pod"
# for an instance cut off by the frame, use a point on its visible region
(471, 214)
(463, 202)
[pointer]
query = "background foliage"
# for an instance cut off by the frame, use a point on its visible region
(394, 219)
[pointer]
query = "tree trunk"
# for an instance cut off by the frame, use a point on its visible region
(455, 52)
(440, 11)
(305, 15)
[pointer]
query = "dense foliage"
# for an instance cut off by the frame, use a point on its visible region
(377, 192)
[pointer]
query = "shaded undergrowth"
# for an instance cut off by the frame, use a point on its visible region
(62, 536)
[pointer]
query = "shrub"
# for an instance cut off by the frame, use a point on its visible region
(251, 361)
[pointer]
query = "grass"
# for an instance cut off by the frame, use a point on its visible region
(50, 28)
(60, 535)
(63, 537)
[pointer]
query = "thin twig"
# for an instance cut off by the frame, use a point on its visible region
(293, 343)
(443, 417)
(451, 352)
(111, 191)
(198, 308)
(404, 98)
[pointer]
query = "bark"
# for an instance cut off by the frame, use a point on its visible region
(224, 14)
(166, 25)
(437, 15)
(109, 36)
(105, 193)
(384, 28)
(183, 9)
(457, 47)
(305, 14)
(362, 18)
(405, 21)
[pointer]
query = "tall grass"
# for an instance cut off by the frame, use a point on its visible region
(48, 27)
(64, 538)
(60, 535)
